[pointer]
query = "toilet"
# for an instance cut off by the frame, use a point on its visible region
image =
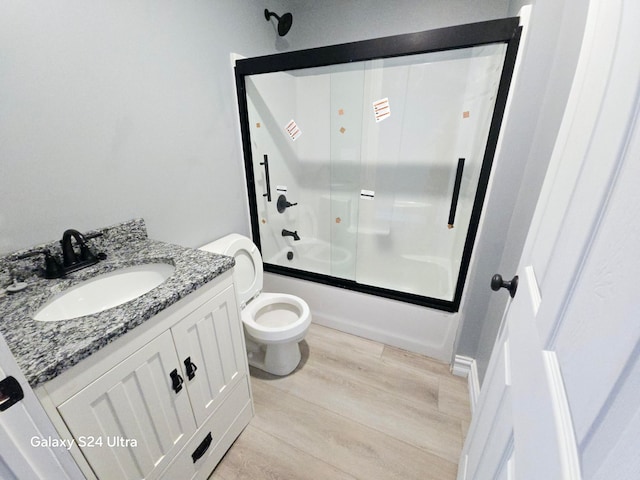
(274, 323)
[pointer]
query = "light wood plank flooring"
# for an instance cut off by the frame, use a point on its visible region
(353, 409)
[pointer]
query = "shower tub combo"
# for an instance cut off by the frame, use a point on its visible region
(367, 165)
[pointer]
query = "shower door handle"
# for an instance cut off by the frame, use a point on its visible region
(266, 176)
(456, 193)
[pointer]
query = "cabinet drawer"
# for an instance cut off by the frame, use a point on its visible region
(223, 427)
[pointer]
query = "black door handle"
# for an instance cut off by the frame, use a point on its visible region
(266, 175)
(10, 393)
(497, 283)
(176, 380)
(456, 193)
(190, 367)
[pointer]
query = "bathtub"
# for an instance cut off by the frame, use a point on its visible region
(315, 255)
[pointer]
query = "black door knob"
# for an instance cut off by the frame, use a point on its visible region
(497, 283)
(10, 393)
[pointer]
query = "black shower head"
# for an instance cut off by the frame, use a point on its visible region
(284, 22)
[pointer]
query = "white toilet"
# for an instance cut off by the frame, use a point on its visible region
(274, 323)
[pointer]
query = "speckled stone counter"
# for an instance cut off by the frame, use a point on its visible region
(43, 350)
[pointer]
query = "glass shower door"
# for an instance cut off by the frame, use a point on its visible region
(345, 162)
(290, 147)
(420, 165)
(371, 174)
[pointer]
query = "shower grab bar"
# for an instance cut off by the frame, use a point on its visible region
(266, 174)
(456, 193)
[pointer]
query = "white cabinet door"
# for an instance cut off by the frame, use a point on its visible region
(130, 423)
(210, 339)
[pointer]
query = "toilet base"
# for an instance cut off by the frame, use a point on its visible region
(276, 358)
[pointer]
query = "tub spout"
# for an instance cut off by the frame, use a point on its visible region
(287, 233)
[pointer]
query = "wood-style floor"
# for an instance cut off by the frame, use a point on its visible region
(353, 409)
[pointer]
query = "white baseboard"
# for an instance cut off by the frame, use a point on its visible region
(466, 367)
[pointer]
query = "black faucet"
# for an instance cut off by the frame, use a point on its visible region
(287, 233)
(71, 260)
(69, 256)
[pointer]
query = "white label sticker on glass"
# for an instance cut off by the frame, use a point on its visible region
(293, 130)
(367, 194)
(381, 109)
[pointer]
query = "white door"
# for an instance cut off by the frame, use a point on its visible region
(561, 397)
(24, 427)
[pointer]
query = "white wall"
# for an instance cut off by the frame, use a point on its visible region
(115, 110)
(327, 22)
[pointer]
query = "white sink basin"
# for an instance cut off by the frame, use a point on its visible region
(104, 291)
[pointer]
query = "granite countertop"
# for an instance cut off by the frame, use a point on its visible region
(43, 350)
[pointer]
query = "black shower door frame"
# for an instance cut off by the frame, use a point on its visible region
(507, 31)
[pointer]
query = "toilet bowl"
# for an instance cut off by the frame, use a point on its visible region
(274, 323)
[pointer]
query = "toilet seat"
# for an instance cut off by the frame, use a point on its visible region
(276, 317)
(274, 323)
(268, 317)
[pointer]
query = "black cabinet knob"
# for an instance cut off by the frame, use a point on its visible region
(497, 283)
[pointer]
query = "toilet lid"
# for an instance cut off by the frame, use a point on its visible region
(247, 273)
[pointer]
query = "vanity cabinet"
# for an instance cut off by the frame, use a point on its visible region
(172, 407)
(133, 402)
